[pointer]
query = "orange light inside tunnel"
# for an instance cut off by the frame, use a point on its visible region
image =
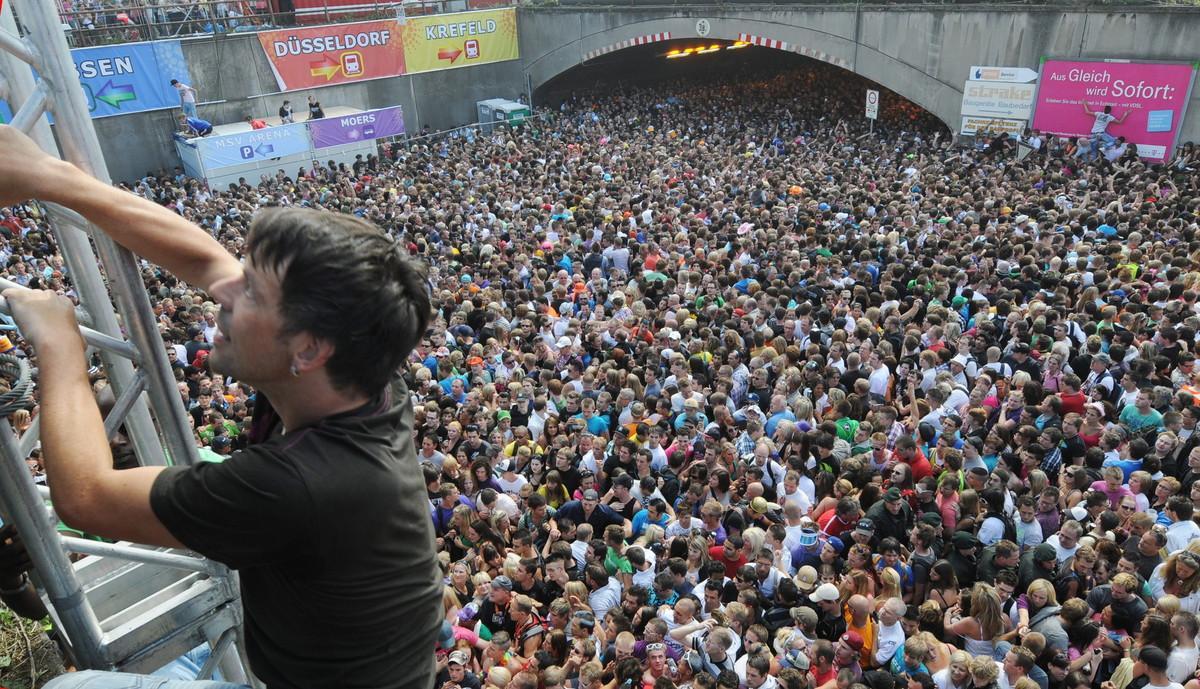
(702, 50)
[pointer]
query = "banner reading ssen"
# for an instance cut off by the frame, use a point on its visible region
(1148, 99)
(126, 78)
(336, 54)
(446, 41)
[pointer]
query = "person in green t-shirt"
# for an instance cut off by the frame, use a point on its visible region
(1140, 416)
(615, 562)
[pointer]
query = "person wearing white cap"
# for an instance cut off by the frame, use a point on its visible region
(456, 673)
(831, 623)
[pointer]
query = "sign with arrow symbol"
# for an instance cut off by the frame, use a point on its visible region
(115, 94)
(450, 54)
(128, 78)
(325, 67)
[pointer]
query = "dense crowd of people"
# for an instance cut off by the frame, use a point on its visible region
(722, 391)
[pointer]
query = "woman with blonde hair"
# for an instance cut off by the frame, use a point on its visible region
(841, 488)
(459, 590)
(803, 409)
(938, 653)
(1179, 576)
(1038, 482)
(956, 675)
(482, 585)
(889, 586)
(577, 595)
(1039, 594)
(697, 559)
(653, 534)
(754, 538)
(22, 420)
(460, 523)
(984, 626)
(857, 582)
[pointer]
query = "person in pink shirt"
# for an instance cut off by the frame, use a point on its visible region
(1113, 486)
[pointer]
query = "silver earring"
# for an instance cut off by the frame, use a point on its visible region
(295, 371)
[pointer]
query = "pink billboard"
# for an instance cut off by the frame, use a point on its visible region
(1148, 101)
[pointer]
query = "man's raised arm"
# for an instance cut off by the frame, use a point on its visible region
(149, 230)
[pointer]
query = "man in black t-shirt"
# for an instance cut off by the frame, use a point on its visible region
(494, 612)
(324, 515)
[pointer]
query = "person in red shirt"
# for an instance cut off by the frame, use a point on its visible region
(255, 123)
(823, 670)
(1073, 401)
(729, 554)
(908, 452)
(842, 518)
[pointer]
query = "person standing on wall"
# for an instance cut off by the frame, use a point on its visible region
(324, 514)
(187, 97)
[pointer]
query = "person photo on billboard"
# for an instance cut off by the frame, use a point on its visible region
(1100, 126)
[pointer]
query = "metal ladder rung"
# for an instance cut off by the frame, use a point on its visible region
(122, 606)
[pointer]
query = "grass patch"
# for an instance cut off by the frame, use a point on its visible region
(28, 657)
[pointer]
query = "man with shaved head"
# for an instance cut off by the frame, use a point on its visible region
(861, 621)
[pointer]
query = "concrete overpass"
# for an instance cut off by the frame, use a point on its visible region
(919, 51)
(922, 52)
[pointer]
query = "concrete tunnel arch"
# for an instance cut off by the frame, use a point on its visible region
(555, 42)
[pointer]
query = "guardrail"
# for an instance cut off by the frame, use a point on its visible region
(86, 23)
(129, 21)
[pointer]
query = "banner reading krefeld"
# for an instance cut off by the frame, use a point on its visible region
(464, 39)
(336, 54)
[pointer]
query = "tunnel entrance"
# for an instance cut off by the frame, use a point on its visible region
(693, 62)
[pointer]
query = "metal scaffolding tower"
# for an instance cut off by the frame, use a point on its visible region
(122, 606)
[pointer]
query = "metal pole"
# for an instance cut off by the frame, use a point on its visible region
(71, 239)
(27, 511)
(150, 557)
(81, 146)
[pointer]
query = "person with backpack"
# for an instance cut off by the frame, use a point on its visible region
(996, 524)
(1100, 377)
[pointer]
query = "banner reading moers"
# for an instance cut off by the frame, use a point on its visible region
(360, 126)
(337, 54)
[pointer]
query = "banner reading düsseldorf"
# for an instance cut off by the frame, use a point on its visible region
(1151, 97)
(335, 54)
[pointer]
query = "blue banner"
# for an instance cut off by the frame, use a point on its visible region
(247, 147)
(131, 77)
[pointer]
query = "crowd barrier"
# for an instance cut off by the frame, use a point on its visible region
(232, 152)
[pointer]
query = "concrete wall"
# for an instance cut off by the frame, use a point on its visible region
(922, 52)
(234, 79)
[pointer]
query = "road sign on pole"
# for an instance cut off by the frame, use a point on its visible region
(872, 105)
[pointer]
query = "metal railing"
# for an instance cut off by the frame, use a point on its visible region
(130, 21)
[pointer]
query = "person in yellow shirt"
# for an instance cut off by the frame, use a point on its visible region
(858, 619)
